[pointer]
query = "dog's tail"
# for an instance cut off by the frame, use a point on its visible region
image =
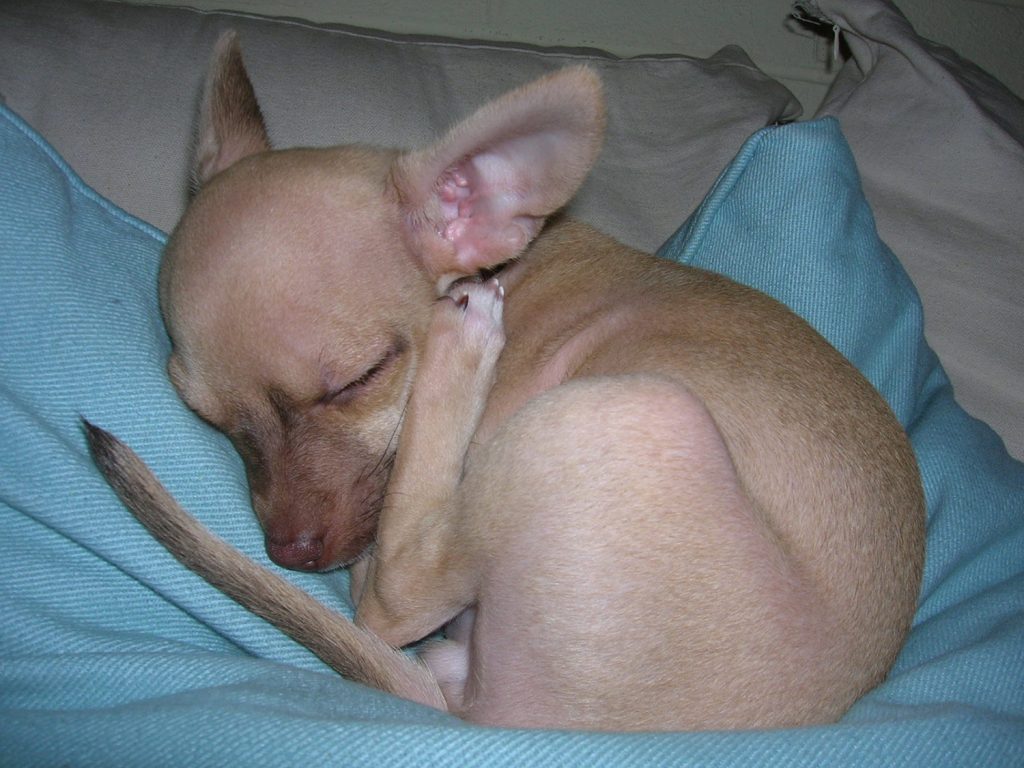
(353, 652)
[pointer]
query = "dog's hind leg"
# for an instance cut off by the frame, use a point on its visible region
(626, 580)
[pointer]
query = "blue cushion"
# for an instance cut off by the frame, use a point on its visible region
(113, 654)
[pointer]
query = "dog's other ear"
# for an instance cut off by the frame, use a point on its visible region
(230, 122)
(478, 196)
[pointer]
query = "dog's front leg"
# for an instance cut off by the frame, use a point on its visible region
(418, 577)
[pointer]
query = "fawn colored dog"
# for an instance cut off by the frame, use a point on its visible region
(637, 494)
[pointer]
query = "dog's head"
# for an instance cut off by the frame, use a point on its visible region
(298, 285)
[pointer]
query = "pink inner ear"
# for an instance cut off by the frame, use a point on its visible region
(491, 203)
(478, 196)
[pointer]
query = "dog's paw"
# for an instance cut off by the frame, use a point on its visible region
(456, 373)
(468, 325)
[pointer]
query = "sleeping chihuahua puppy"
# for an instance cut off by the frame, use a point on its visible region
(638, 495)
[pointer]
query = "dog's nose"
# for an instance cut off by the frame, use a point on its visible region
(301, 553)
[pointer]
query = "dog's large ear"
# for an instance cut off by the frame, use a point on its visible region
(230, 122)
(478, 196)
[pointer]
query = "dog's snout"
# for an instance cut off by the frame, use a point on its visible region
(300, 553)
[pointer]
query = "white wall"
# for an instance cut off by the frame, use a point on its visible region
(989, 32)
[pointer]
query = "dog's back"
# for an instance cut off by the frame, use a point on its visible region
(713, 472)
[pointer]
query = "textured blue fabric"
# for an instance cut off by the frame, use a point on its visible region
(113, 654)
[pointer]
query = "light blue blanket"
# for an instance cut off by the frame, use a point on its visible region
(113, 654)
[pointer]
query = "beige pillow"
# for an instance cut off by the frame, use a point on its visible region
(940, 148)
(114, 88)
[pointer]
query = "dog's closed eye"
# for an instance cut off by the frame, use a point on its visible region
(345, 394)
